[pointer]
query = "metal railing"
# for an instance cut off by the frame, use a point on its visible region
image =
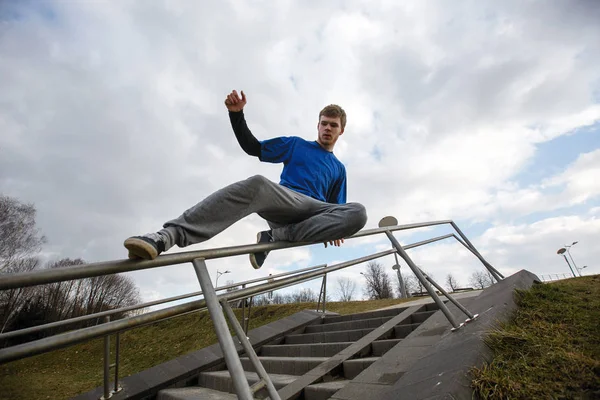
(554, 277)
(65, 322)
(285, 280)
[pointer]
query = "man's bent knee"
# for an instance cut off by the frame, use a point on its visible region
(356, 218)
(256, 180)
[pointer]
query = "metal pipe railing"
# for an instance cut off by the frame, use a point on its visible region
(50, 325)
(25, 331)
(69, 338)
(26, 279)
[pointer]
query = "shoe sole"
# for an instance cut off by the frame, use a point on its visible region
(140, 248)
(252, 258)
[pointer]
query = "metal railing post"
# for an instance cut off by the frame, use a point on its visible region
(247, 322)
(260, 370)
(324, 291)
(117, 350)
(320, 294)
(107, 393)
(234, 365)
(243, 309)
(387, 221)
(451, 298)
(495, 273)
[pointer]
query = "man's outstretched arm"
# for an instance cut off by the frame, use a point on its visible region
(235, 105)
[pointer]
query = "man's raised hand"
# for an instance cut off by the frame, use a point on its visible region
(234, 102)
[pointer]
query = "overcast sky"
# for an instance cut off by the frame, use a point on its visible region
(112, 122)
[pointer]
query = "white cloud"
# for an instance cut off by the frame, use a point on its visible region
(112, 118)
(575, 185)
(534, 246)
(580, 179)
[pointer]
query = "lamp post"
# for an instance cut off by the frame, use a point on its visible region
(400, 280)
(568, 247)
(562, 252)
(218, 275)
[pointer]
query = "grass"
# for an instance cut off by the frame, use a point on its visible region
(550, 348)
(64, 373)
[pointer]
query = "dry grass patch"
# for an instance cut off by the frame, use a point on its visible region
(550, 349)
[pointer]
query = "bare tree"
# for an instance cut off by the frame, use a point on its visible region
(19, 237)
(260, 300)
(451, 283)
(305, 295)
(416, 285)
(110, 292)
(20, 241)
(410, 284)
(61, 300)
(480, 280)
(378, 285)
(345, 288)
(278, 298)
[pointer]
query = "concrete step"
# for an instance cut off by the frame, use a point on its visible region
(304, 350)
(399, 332)
(432, 306)
(284, 365)
(324, 390)
(330, 337)
(194, 393)
(380, 347)
(221, 380)
(348, 325)
(392, 312)
(420, 317)
(357, 365)
(402, 331)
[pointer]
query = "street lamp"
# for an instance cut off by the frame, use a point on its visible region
(218, 275)
(568, 247)
(562, 252)
(400, 280)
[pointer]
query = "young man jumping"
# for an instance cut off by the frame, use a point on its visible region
(308, 204)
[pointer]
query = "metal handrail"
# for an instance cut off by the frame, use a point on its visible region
(25, 331)
(26, 279)
(69, 338)
(97, 269)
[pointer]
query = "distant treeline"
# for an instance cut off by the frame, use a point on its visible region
(20, 242)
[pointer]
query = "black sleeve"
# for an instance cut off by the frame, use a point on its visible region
(243, 135)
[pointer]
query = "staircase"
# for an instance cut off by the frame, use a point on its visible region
(320, 359)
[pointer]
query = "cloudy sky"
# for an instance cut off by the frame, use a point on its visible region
(112, 122)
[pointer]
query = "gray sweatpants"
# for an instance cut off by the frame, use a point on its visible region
(292, 216)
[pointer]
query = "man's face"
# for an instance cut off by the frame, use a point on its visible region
(330, 130)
